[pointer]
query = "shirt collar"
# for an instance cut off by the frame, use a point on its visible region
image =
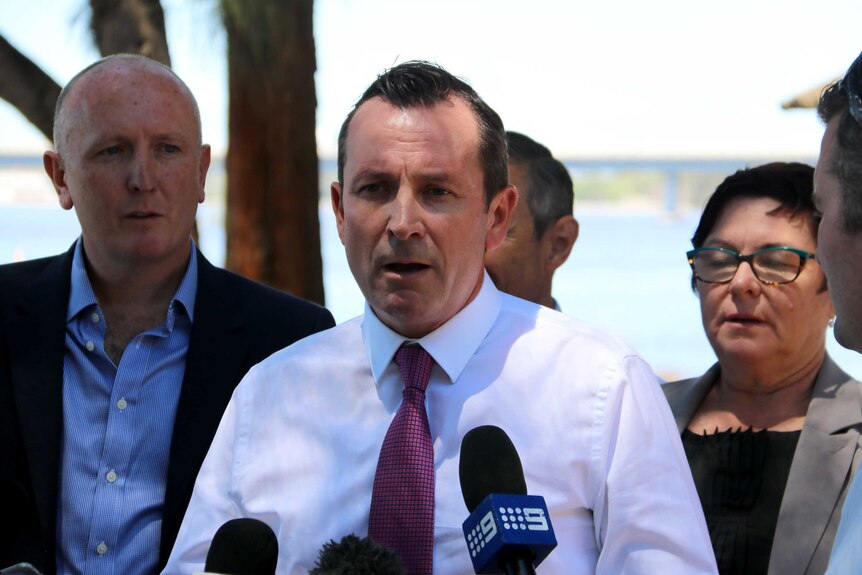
(451, 345)
(188, 290)
(81, 293)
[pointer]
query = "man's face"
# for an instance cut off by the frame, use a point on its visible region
(518, 266)
(838, 252)
(412, 214)
(131, 165)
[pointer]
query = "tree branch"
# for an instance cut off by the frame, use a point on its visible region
(27, 87)
(130, 26)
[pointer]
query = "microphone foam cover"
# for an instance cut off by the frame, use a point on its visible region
(243, 547)
(489, 464)
(355, 556)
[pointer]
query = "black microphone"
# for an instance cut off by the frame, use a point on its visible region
(355, 556)
(20, 569)
(508, 531)
(243, 547)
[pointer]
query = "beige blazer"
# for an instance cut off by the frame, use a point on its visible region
(827, 456)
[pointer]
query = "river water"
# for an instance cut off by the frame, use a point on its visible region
(627, 273)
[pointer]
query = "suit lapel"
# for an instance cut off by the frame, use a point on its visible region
(214, 364)
(37, 348)
(819, 472)
(685, 396)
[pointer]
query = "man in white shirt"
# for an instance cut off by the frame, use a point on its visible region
(838, 197)
(422, 193)
(542, 229)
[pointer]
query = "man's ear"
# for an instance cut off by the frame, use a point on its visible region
(560, 238)
(499, 213)
(203, 167)
(338, 208)
(53, 164)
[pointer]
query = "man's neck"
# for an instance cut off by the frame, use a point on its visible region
(134, 299)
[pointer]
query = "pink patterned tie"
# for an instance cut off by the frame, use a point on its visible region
(402, 501)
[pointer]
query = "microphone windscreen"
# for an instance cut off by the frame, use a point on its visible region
(355, 556)
(489, 464)
(243, 547)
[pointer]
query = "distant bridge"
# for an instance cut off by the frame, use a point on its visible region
(670, 167)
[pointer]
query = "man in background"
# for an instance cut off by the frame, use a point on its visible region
(542, 229)
(118, 357)
(838, 197)
(358, 429)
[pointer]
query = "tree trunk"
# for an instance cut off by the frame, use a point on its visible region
(24, 85)
(272, 171)
(131, 27)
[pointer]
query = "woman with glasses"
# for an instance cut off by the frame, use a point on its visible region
(771, 431)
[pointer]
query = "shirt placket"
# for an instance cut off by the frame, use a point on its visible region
(120, 439)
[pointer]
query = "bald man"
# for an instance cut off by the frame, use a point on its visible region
(118, 357)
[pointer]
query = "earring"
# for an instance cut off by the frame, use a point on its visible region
(832, 321)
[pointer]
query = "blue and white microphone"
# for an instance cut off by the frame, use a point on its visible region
(507, 531)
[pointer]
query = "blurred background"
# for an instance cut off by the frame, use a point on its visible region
(650, 105)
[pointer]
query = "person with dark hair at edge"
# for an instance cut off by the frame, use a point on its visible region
(838, 197)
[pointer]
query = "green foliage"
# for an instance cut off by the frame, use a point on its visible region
(645, 187)
(614, 186)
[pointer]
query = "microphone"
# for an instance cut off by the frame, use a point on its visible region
(243, 547)
(355, 556)
(507, 531)
(20, 569)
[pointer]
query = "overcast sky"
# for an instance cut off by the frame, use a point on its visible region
(599, 78)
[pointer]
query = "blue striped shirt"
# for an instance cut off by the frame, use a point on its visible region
(117, 424)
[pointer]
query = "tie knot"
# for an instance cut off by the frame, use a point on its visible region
(415, 365)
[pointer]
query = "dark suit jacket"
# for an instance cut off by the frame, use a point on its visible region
(237, 324)
(826, 458)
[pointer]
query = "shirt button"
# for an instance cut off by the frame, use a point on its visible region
(111, 476)
(91, 346)
(102, 548)
(122, 404)
(94, 317)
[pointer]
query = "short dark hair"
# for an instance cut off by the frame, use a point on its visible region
(422, 84)
(847, 160)
(790, 184)
(524, 148)
(550, 193)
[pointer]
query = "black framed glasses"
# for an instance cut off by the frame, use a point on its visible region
(852, 84)
(772, 266)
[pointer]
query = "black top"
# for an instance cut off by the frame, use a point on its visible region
(740, 477)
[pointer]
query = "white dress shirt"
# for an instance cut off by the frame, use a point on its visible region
(298, 445)
(846, 557)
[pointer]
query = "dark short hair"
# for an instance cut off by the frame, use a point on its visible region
(550, 193)
(847, 158)
(524, 148)
(790, 184)
(422, 84)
